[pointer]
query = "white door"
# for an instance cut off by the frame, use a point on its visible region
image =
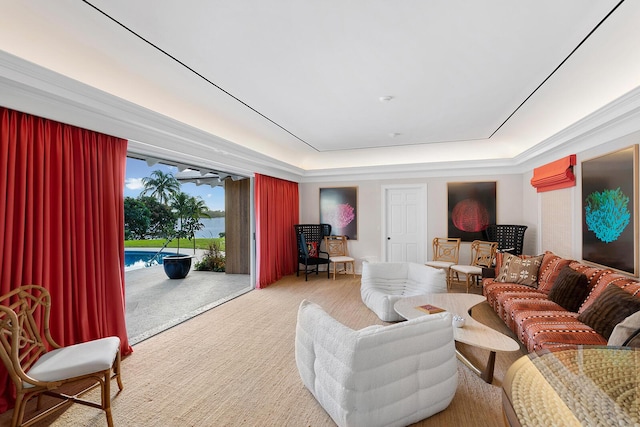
(405, 219)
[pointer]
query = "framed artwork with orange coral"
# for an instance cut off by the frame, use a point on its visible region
(472, 207)
(610, 210)
(339, 208)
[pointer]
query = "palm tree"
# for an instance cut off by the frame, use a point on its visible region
(188, 210)
(181, 205)
(197, 209)
(162, 186)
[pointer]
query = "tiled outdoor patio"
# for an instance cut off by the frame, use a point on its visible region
(155, 303)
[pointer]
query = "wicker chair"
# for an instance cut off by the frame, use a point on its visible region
(482, 256)
(308, 238)
(338, 251)
(35, 370)
(510, 238)
(446, 252)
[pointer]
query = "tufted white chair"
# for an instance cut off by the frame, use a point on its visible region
(391, 375)
(384, 283)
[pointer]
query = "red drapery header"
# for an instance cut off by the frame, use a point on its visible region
(555, 175)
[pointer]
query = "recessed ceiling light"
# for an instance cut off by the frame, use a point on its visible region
(385, 98)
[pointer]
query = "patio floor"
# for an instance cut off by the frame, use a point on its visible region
(155, 303)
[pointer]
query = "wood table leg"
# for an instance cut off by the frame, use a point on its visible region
(487, 373)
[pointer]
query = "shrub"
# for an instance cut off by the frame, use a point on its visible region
(213, 259)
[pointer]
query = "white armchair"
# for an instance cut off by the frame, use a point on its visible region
(384, 283)
(391, 375)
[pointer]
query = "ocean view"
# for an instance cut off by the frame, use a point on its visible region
(212, 227)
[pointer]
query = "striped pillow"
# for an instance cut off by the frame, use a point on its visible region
(549, 270)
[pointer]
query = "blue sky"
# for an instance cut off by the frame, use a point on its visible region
(138, 169)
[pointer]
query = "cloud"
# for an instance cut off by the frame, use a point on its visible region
(134, 183)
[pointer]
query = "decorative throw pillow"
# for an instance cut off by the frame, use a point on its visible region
(312, 248)
(549, 270)
(624, 330)
(569, 289)
(521, 270)
(611, 307)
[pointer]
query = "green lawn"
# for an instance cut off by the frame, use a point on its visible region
(201, 243)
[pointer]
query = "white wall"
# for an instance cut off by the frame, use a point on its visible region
(511, 194)
(517, 201)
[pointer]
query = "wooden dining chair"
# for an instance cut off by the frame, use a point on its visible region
(338, 251)
(38, 366)
(446, 253)
(482, 256)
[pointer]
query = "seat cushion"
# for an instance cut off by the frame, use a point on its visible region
(339, 259)
(546, 329)
(467, 269)
(76, 360)
(439, 264)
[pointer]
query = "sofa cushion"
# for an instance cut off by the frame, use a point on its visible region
(610, 308)
(624, 330)
(492, 290)
(520, 270)
(570, 289)
(548, 329)
(549, 270)
(512, 304)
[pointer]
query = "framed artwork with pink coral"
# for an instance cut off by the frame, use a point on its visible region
(339, 208)
(472, 207)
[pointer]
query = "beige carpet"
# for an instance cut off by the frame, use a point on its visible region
(234, 366)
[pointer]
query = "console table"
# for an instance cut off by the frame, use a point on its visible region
(583, 385)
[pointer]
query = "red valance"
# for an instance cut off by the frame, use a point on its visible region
(555, 175)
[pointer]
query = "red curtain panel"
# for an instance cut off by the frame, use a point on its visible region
(62, 226)
(277, 210)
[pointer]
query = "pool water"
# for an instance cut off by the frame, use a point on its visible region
(138, 259)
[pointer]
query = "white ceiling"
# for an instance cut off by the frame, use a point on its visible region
(301, 81)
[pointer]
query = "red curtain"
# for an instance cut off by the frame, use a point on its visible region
(277, 210)
(62, 226)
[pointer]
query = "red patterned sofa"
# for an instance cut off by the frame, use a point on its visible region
(541, 323)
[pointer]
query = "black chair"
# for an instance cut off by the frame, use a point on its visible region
(510, 237)
(309, 237)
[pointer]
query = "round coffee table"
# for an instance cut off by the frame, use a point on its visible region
(472, 333)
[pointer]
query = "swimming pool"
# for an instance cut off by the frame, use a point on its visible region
(138, 259)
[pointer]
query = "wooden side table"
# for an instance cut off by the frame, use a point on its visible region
(585, 385)
(473, 332)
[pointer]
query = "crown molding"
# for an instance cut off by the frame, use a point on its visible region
(33, 89)
(615, 120)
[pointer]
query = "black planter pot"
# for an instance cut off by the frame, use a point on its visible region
(177, 266)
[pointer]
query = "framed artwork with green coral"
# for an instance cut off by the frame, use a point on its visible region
(339, 207)
(610, 210)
